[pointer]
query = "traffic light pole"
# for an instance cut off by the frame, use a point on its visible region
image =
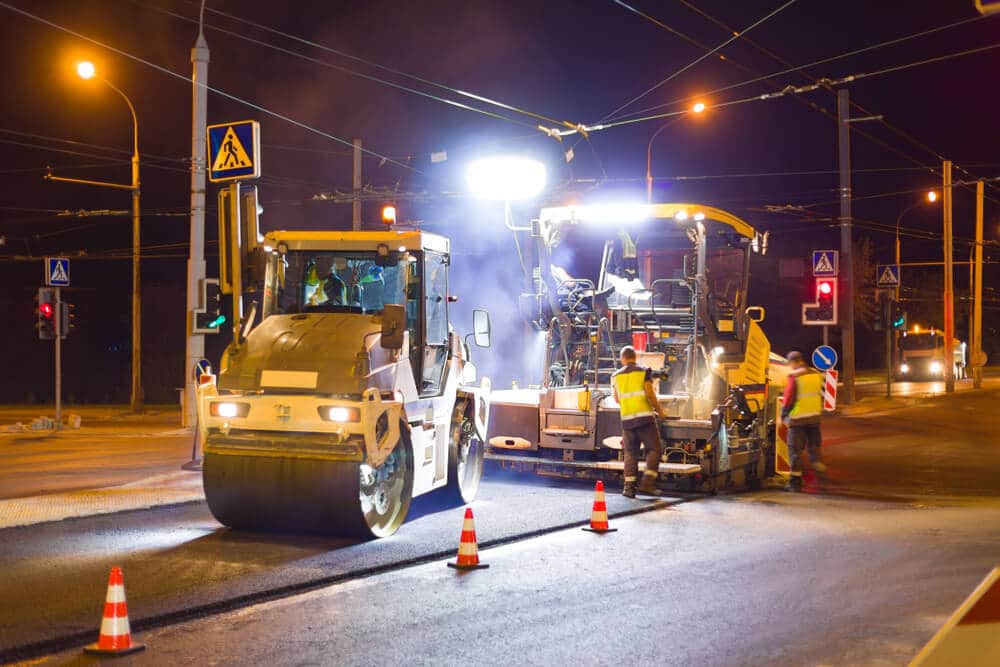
(58, 325)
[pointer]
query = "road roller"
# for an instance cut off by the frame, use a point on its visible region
(349, 394)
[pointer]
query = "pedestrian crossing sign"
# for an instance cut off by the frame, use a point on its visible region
(57, 271)
(887, 275)
(825, 263)
(234, 151)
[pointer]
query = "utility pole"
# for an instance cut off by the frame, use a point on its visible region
(58, 326)
(356, 217)
(846, 305)
(976, 356)
(195, 346)
(949, 285)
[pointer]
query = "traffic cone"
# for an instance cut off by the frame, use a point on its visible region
(599, 515)
(468, 549)
(115, 637)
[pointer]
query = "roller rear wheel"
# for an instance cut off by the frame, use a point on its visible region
(465, 462)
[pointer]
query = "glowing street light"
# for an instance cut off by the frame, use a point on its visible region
(698, 107)
(86, 70)
(506, 178)
(931, 196)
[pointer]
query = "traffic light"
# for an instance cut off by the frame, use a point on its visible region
(897, 316)
(67, 318)
(209, 319)
(823, 311)
(47, 305)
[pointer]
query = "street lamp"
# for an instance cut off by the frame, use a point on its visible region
(86, 70)
(931, 197)
(697, 108)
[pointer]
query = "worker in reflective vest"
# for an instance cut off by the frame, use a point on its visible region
(801, 410)
(633, 388)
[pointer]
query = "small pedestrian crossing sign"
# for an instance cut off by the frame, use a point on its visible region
(825, 263)
(887, 275)
(234, 151)
(57, 271)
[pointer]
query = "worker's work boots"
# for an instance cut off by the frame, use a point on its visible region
(648, 485)
(794, 484)
(629, 490)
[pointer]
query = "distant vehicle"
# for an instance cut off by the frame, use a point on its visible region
(921, 356)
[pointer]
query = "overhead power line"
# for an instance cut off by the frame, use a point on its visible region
(822, 61)
(217, 91)
(696, 60)
(352, 72)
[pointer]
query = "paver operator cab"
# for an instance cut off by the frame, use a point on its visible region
(672, 281)
(351, 395)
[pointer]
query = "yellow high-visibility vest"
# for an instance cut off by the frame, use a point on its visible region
(808, 396)
(632, 395)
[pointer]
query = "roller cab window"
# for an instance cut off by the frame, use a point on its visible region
(306, 281)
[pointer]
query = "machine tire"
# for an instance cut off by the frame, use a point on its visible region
(465, 459)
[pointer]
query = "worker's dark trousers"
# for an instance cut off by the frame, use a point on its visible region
(648, 435)
(802, 438)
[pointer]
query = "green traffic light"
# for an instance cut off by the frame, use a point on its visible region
(217, 322)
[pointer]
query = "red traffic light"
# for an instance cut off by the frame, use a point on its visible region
(46, 309)
(825, 287)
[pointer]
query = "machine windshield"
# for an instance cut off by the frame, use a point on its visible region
(305, 281)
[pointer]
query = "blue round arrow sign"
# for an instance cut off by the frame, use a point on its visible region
(203, 366)
(824, 358)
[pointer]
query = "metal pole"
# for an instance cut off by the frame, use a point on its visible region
(356, 217)
(949, 286)
(58, 325)
(137, 397)
(889, 334)
(977, 306)
(195, 344)
(826, 335)
(846, 305)
(235, 259)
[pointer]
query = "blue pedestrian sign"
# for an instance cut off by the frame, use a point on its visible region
(887, 275)
(57, 271)
(824, 358)
(234, 151)
(825, 263)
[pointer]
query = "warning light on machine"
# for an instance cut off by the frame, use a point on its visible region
(389, 215)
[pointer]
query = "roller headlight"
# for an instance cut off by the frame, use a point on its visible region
(228, 410)
(339, 413)
(935, 367)
(904, 368)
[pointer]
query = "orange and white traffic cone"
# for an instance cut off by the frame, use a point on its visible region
(599, 515)
(468, 549)
(115, 637)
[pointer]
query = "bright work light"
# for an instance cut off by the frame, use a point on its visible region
(506, 178)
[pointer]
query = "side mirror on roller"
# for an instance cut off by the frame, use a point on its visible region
(481, 327)
(393, 326)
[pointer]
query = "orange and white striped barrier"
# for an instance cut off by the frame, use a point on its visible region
(830, 390)
(115, 637)
(599, 515)
(971, 637)
(468, 549)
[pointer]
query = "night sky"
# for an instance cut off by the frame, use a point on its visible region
(572, 60)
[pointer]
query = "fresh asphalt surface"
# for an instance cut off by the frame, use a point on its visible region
(178, 558)
(767, 578)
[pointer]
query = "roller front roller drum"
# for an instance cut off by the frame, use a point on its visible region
(299, 494)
